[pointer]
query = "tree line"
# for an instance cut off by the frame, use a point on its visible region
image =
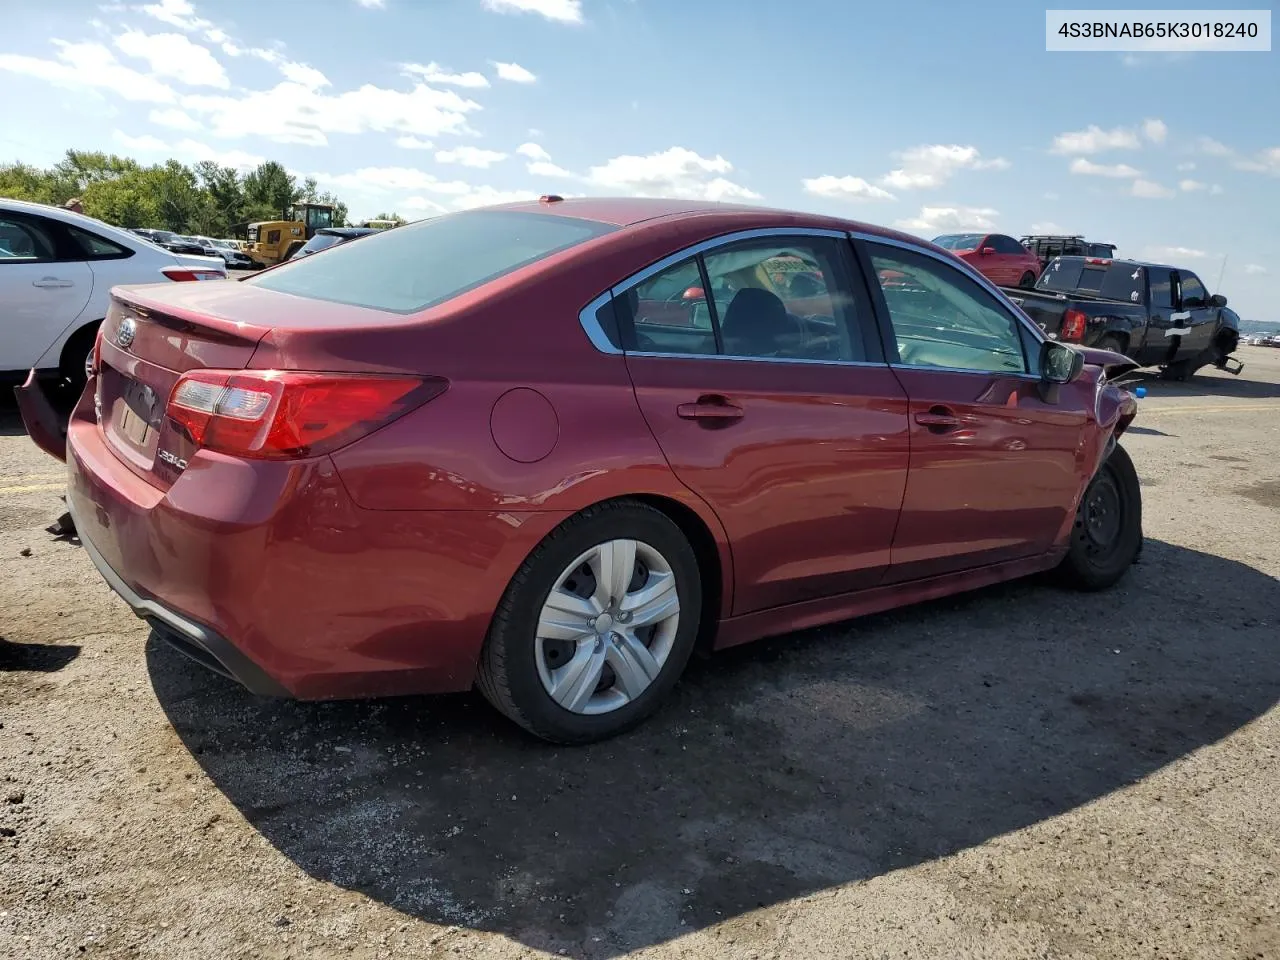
(204, 198)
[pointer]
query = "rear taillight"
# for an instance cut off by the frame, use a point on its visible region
(1073, 325)
(279, 415)
(193, 273)
(1098, 261)
(95, 362)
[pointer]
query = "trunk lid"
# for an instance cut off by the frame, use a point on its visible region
(153, 334)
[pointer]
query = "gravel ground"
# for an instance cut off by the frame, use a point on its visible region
(1018, 773)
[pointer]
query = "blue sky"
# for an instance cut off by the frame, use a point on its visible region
(933, 117)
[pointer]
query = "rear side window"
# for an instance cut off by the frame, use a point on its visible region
(1114, 280)
(423, 264)
(98, 248)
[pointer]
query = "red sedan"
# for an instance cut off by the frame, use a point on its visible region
(1002, 260)
(548, 449)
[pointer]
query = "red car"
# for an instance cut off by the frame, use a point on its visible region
(1002, 260)
(548, 449)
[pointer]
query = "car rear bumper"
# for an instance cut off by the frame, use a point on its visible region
(270, 574)
(40, 416)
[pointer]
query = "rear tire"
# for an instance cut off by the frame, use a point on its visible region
(1027, 280)
(1107, 536)
(523, 661)
(1111, 342)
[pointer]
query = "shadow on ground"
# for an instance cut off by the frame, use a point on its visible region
(35, 657)
(783, 768)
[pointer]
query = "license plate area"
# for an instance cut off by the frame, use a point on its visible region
(138, 413)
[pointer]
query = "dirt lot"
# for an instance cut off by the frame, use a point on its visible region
(1020, 773)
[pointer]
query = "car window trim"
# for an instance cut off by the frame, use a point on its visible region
(885, 322)
(587, 316)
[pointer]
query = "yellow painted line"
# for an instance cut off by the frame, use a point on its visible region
(32, 488)
(1206, 408)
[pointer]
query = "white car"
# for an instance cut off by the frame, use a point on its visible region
(57, 269)
(231, 254)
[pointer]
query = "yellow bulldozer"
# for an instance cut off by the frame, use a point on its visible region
(274, 241)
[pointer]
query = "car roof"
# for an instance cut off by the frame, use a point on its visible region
(69, 216)
(632, 211)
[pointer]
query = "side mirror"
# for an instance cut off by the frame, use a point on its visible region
(1059, 363)
(1217, 301)
(987, 251)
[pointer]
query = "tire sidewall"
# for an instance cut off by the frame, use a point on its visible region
(517, 630)
(1089, 571)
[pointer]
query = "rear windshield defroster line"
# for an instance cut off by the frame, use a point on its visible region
(423, 264)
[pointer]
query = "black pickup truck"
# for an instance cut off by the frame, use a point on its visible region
(1159, 316)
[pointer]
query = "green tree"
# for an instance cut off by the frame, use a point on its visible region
(271, 185)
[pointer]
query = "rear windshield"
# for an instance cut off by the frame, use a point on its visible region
(1115, 280)
(319, 242)
(422, 264)
(959, 241)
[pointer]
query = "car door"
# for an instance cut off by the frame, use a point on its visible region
(758, 367)
(1007, 260)
(1195, 315)
(42, 287)
(994, 467)
(1156, 344)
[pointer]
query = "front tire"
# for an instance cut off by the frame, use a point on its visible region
(596, 626)
(1107, 536)
(1027, 280)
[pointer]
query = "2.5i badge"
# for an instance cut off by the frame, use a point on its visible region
(176, 462)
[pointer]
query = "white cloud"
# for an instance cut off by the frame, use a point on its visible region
(1048, 228)
(189, 150)
(1093, 139)
(675, 172)
(307, 76)
(1190, 186)
(1255, 269)
(1089, 168)
(372, 4)
(532, 151)
(176, 13)
(1186, 167)
(545, 168)
(470, 157)
(1215, 190)
(487, 196)
(413, 143)
(1213, 148)
(173, 55)
(294, 113)
(844, 188)
(1155, 130)
(1051, 196)
(174, 118)
(143, 144)
(513, 72)
(1176, 253)
(1268, 161)
(391, 179)
(935, 220)
(231, 50)
(1150, 190)
(932, 165)
(563, 11)
(434, 73)
(90, 66)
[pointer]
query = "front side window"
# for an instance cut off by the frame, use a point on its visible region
(942, 318)
(23, 242)
(422, 264)
(1193, 294)
(1005, 244)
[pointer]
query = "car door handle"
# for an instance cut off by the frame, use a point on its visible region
(938, 419)
(51, 282)
(710, 407)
